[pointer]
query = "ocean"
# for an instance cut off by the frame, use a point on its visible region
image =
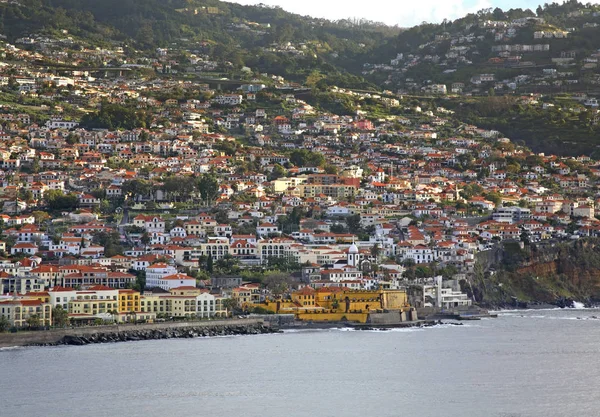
(540, 363)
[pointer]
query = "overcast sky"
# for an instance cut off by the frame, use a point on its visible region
(401, 12)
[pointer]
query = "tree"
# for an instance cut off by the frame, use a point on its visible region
(136, 189)
(208, 186)
(33, 321)
(302, 157)
(72, 139)
(231, 305)
(408, 263)
(40, 216)
(353, 223)
(145, 239)
(498, 14)
(111, 242)
(539, 11)
(209, 264)
(338, 228)
(495, 198)
(116, 116)
(227, 264)
(278, 172)
(375, 251)
(60, 317)
(140, 281)
(277, 282)
(331, 169)
(25, 194)
(57, 200)
(4, 324)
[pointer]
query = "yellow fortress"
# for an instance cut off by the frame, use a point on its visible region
(331, 304)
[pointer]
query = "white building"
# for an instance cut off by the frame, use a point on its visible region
(155, 273)
(205, 305)
(229, 99)
(176, 280)
(445, 298)
(57, 123)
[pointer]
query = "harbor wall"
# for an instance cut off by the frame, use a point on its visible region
(114, 333)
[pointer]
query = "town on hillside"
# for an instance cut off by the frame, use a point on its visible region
(132, 192)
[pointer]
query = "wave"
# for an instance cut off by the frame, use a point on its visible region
(550, 317)
(381, 330)
(577, 306)
(11, 348)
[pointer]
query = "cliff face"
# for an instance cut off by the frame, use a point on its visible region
(542, 273)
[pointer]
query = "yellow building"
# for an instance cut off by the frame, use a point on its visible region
(187, 302)
(186, 291)
(155, 304)
(129, 301)
(43, 296)
(337, 191)
(220, 309)
(338, 303)
(92, 306)
(183, 306)
(18, 311)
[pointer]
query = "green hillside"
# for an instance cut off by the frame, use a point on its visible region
(503, 45)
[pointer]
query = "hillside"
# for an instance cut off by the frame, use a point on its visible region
(263, 38)
(510, 47)
(551, 51)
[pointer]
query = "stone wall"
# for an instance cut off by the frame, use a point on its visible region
(113, 333)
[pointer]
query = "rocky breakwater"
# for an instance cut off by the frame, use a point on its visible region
(169, 333)
(126, 333)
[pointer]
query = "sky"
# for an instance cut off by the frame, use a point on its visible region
(404, 13)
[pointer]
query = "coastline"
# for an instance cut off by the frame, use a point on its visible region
(156, 331)
(124, 333)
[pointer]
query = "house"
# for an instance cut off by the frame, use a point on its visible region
(267, 229)
(25, 248)
(87, 200)
(152, 224)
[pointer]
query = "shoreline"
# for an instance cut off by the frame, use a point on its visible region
(157, 331)
(125, 333)
(547, 307)
(187, 330)
(358, 326)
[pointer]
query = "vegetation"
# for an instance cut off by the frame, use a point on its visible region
(543, 130)
(57, 200)
(116, 116)
(60, 317)
(4, 324)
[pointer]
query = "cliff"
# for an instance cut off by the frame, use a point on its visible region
(548, 272)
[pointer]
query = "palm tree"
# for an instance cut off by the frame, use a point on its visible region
(60, 316)
(33, 321)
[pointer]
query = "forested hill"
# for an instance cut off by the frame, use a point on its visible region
(514, 46)
(243, 35)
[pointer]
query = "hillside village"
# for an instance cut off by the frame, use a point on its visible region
(502, 52)
(158, 195)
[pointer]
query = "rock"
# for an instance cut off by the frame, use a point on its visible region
(73, 340)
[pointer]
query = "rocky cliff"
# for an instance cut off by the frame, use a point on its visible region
(549, 272)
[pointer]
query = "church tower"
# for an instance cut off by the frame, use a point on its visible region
(353, 257)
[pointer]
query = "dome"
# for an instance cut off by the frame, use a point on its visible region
(353, 249)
